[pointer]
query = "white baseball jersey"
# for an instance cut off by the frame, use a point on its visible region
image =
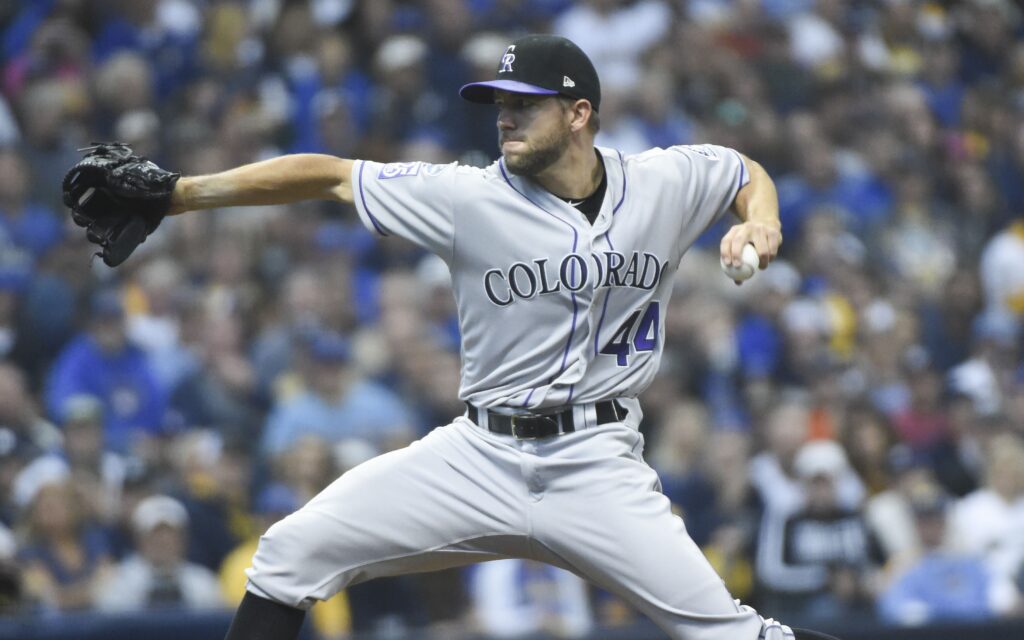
(554, 310)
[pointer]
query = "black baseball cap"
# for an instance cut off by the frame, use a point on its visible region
(541, 65)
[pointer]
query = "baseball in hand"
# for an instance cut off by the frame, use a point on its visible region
(746, 270)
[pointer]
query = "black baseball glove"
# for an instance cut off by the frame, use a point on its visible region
(119, 198)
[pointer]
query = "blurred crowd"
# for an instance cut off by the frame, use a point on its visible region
(843, 434)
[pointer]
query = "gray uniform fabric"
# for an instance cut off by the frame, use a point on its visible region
(543, 295)
(553, 311)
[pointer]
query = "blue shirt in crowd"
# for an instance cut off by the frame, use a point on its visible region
(133, 400)
(939, 587)
(367, 411)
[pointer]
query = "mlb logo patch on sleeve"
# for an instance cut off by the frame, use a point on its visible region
(399, 170)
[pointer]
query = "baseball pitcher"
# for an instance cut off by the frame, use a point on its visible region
(562, 257)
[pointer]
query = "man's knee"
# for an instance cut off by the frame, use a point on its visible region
(285, 568)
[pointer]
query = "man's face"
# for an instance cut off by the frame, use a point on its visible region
(163, 546)
(821, 493)
(533, 131)
(109, 333)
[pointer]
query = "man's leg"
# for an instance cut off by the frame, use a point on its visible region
(261, 619)
(602, 515)
(444, 501)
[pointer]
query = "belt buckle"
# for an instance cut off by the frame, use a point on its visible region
(528, 426)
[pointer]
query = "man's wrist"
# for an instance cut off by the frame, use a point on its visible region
(766, 219)
(181, 197)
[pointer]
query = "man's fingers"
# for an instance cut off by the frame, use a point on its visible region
(760, 242)
(766, 241)
(725, 247)
(774, 242)
(737, 243)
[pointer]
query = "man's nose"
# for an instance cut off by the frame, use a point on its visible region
(505, 120)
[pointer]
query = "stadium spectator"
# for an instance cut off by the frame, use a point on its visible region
(308, 465)
(615, 35)
(735, 513)
(988, 522)
(936, 584)
(331, 619)
(773, 472)
(218, 383)
(157, 576)
(518, 598)
(27, 225)
(337, 404)
(65, 555)
(1002, 263)
(102, 362)
(868, 439)
(20, 422)
(97, 474)
(890, 514)
(922, 424)
(211, 479)
(821, 560)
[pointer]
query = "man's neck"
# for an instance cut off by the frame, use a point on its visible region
(575, 175)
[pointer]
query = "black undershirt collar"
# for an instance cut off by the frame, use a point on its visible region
(591, 205)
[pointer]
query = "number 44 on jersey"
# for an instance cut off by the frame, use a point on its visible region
(644, 337)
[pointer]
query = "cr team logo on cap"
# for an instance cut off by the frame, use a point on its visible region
(508, 59)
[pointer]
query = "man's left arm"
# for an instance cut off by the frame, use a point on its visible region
(757, 206)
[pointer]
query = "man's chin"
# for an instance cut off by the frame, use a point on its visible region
(517, 164)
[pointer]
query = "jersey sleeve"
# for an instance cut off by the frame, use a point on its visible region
(412, 200)
(711, 175)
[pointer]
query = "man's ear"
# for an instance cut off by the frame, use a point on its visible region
(579, 112)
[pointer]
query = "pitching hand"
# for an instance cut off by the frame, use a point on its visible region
(765, 236)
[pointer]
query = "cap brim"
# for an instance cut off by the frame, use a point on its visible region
(483, 92)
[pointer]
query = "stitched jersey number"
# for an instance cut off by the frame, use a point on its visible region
(645, 338)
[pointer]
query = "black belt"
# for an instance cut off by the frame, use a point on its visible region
(529, 426)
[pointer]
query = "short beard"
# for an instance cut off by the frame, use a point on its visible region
(542, 154)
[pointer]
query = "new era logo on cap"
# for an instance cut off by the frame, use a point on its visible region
(540, 65)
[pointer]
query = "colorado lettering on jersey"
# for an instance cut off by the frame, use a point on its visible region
(525, 280)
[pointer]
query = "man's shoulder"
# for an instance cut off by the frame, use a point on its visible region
(659, 161)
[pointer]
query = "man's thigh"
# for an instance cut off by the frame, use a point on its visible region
(614, 527)
(444, 501)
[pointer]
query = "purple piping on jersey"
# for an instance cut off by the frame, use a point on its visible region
(575, 241)
(604, 309)
(608, 293)
(623, 198)
(743, 170)
(376, 225)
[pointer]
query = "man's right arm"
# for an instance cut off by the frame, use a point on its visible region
(281, 180)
